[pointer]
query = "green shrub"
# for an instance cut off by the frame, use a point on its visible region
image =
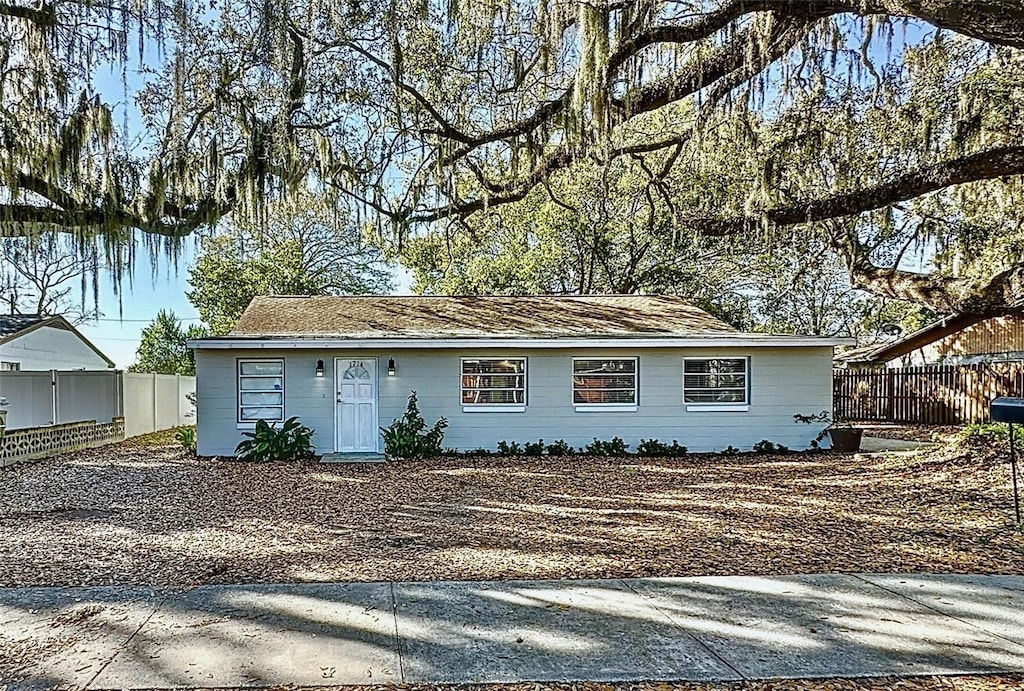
(615, 447)
(654, 449)
(475, 453)
(268, 443)
(730, 450)
(409, 437)
(509, 449)
(991, 431)
(186, 438)
(534, 448)
(766, 447)
(560, 448)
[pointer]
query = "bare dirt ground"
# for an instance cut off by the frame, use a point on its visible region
(142, 512)
(928, 433)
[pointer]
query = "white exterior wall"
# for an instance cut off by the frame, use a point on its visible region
(783, 381)
(49, 348)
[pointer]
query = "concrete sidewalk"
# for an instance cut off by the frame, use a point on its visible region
(645, 629)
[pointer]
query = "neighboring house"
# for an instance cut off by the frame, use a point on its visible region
(508, 368)
(37, 342)
(959, 339)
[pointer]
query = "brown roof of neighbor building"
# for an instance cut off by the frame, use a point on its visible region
(884, 352)
(430, 317)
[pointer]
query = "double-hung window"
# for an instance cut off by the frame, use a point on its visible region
(493, 384)
(260, 391)
(604, 384)
(716, 383)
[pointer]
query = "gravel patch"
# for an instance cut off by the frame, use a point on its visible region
(143, 513)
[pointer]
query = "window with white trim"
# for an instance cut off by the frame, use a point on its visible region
(260, 390)
(715, 380)
(494, 382)
(604, 381)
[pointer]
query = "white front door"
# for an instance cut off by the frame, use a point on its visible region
(356, 410)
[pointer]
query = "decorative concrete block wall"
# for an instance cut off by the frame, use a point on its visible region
(40, 442)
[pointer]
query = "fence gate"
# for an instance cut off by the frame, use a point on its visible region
(928, 394)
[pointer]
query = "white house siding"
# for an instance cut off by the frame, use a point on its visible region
(784, 381)
(48, 348)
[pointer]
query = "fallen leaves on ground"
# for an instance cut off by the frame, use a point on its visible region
(144, 513)
(909, 432)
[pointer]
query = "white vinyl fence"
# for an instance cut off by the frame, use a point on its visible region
(148, 402)
(154, 402)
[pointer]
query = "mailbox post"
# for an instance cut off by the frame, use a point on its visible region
(1010, 411)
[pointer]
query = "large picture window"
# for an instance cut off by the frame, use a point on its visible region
(260, 390)
(715, 380)
(604, 381)
(494, 382)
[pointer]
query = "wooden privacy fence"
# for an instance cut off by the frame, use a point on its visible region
(930, 394)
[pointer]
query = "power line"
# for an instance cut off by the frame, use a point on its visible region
(139, 321)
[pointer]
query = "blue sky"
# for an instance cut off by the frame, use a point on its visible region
(144, 293)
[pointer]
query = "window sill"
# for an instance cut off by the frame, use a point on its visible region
(252, 425)
(605, 408)
(717, 408)
(494, 408)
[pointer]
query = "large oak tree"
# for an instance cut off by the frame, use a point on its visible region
(903, 115)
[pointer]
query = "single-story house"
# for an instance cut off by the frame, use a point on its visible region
(958, 339)
(508, 368)
(34, 342)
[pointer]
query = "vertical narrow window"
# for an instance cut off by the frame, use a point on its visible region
(604, 383)
(261, 390)
(713, 381)
(497, 384)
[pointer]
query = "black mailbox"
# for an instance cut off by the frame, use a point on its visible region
(1007, 410)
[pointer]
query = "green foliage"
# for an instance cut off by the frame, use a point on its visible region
(162, 349)
(768, 447)
(559, 448)
(991, 431)
(409, 436)
(534, 448)
(297, 254)
(186, 438)
(292, 441)
(730, 451)
(654, 448)
(615, 447)
(509, 448)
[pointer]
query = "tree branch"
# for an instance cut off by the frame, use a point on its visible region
(980, 166)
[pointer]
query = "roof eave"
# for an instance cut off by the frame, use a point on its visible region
(694, 341)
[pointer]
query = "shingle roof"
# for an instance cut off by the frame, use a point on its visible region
(11, 324)
(548, 316)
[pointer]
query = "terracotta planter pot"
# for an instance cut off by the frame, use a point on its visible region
(845, 438)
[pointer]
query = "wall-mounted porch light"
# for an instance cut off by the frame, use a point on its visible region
(391, 367)
(319, 368)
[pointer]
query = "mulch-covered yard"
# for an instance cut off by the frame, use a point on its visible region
(143, 513)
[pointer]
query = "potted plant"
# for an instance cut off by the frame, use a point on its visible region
(842, 435)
